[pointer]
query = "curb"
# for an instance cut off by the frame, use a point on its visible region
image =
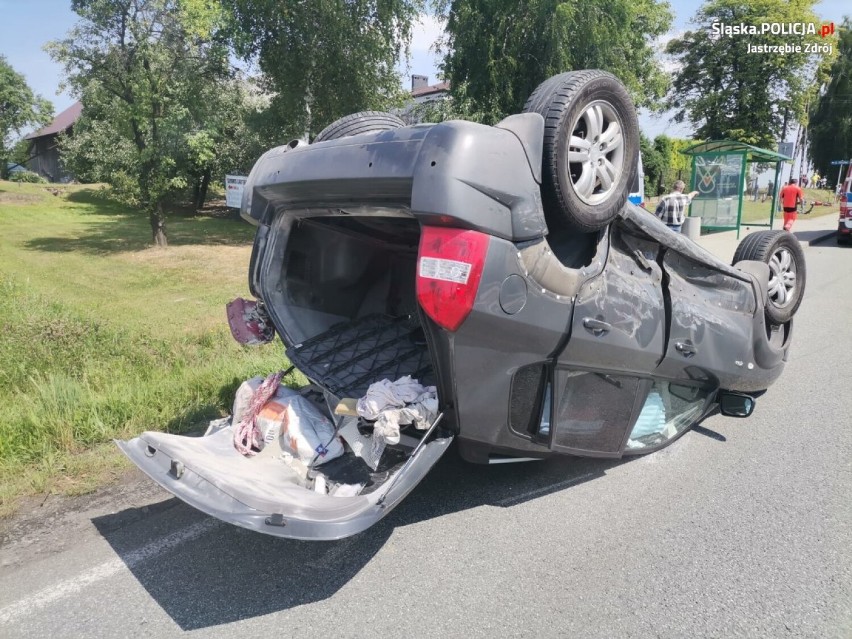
(820, 238)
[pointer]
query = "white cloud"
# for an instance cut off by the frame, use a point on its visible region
(667, 62)
(426, 32)
(424, 59)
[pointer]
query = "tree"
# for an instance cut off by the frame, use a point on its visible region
(498, 51)
(19, 108)
(652, 165)
(830, 129)
(729, 91)
(674, 165)
(144, 71)
(231, 131)
(322, 59)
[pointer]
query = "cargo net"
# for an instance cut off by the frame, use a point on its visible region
(350, 356)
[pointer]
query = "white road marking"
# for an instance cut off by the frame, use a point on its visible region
(68, 587)
(510, 501)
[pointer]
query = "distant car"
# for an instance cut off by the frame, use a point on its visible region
(13, 168)
(844, 224)
(505, 266)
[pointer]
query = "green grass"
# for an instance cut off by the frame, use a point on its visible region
(759, 211)
(103, 336)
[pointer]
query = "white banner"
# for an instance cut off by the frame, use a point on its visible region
(234, 190)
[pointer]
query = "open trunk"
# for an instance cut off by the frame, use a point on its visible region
(341, 293)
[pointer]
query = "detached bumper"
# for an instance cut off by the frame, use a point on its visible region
(260, 494)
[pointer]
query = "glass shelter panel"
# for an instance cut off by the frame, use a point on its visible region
(718, 178)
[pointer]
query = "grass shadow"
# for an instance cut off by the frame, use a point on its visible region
(95, 201)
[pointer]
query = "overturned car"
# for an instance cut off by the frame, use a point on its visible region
(503, 266)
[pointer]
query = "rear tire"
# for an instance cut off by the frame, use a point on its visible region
(591, 147)
(787, 274)
(358, 123)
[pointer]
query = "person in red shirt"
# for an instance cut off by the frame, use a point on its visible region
(790, 196)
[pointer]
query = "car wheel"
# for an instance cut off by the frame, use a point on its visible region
(591, 147)
(358, 123)
(783, 253)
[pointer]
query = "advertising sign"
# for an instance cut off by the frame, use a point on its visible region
(234, 190)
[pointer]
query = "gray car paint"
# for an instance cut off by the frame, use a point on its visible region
(458, 176)
(652, 287)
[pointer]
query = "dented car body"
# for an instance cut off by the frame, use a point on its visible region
(424, 251)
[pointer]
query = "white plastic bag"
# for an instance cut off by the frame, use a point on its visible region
(292, 422)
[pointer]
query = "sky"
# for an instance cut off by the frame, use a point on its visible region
(25, 25)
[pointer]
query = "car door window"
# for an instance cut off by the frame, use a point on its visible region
(593, 412)
(669, 409)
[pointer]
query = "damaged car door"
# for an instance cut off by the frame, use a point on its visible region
(616, 342)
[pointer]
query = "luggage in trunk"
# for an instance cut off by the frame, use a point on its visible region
(263, 493)
(340, 291)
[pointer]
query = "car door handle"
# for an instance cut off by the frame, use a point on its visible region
(687, 349)
(596, 326)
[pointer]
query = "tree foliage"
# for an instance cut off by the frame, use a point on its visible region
(148, 73)
(19, 108)
(498, 51)
(830, 130)
(324, 59)
(727, 91)
(664, 163)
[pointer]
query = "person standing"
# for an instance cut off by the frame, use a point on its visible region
(672, 207)
(790, 196)
(755, 188)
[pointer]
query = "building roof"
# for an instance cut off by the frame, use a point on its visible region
(429, 90)
(752, 153)
(60, 123)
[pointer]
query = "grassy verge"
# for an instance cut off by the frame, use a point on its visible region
(102, 337)
(759, 211)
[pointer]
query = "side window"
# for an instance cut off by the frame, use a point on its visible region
(669, 409)
(593, 411)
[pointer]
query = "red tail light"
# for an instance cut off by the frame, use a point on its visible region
(449, 267)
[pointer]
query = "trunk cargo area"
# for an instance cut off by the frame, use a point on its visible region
(341, 292)
(349, 357)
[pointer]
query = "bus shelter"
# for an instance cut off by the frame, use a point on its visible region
(719, 172)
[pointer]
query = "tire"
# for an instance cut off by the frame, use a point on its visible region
(577, 105)
(358, 123)
(787, 274)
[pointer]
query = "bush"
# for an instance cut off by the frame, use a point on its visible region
(27, 176)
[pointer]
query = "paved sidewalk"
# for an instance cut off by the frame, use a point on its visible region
(809, 230)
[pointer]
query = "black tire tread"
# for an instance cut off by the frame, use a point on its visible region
(550, 100)
(760, 246)
(357, 123)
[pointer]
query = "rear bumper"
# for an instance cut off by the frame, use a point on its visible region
(435, 170)
(299, 513)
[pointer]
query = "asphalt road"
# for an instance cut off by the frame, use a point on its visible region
(741, 528)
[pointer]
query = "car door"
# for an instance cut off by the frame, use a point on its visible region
(600, 378)
(710, 323)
